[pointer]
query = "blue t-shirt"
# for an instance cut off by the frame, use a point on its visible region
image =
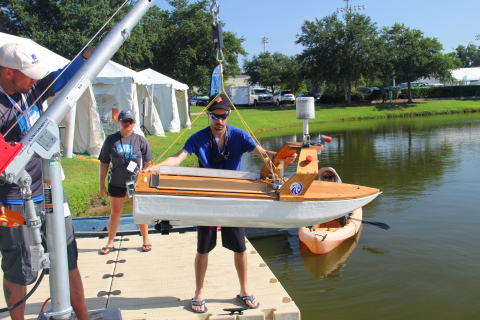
(239, 142)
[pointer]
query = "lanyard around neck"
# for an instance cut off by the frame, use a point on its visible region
(15, 104)
(225, 147)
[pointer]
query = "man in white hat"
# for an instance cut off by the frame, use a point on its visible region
(23, 79)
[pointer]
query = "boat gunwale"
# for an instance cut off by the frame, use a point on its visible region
(339, 190)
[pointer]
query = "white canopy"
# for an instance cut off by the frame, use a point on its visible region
(117, 87)
(472, 75)
(84, 133)
(170, 98)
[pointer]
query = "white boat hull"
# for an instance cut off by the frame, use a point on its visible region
(238, 212)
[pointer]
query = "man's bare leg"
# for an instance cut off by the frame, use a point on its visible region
(13, 293)
(77, 296)
(241, 266)
(201, 264)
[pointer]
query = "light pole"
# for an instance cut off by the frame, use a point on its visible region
(345, 11)
(477, 37)
(264, 42)
(349, 9)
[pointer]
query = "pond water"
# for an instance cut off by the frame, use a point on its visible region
(426, 266)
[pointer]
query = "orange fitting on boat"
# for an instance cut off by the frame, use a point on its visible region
(11, 219)
(309, 159)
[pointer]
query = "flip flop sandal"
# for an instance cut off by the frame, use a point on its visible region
(244, 300)
(199, 304)
(107, 250)
(146, 247)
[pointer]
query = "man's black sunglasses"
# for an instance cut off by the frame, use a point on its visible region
(218, 116)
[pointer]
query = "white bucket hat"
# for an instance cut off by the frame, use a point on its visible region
(320, 174)
(22, 58)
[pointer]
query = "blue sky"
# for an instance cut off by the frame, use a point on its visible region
(451, 22)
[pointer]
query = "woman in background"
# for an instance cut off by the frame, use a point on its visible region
(126, 153)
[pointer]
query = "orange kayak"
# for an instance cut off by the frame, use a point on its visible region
(325, 237)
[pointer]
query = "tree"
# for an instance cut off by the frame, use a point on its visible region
(66, 26)
(413, 56)
(275, 71)
(469, 56)
(177, 43)
(265, 70)
(338, 52)
(322, 42)
(184, 48)
(291, 74)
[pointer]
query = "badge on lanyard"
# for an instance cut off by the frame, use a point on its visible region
(132, 166)
(31, 116)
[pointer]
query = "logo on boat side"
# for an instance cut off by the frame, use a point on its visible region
(296, 188)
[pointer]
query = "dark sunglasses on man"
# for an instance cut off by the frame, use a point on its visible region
(218, 116)
(128, 121)
(328, 177)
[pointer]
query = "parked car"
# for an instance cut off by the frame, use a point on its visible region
(413, 84)
(393, 87)
(316, 96)
(261, 96)
(199, 100)
(365, 92)
(283, 96)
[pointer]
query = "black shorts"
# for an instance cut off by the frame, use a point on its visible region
(233, 238)
(15, 243)
(117, 192)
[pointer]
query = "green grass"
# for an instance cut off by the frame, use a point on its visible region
(81, 183)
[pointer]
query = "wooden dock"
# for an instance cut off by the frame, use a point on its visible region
(160, 284)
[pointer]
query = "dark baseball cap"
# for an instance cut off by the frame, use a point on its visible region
(126, 114)
(221, 102)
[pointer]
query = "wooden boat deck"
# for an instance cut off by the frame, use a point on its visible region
(239, 188)
(159, 284)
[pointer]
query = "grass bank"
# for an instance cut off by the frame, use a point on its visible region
(81, 183)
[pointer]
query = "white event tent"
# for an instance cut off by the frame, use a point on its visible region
(170, 98)
(83, 129)
(117, 88)
(470, 75)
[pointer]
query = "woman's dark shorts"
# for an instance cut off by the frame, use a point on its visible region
(117, 192)
(233, 238)
(15, 243)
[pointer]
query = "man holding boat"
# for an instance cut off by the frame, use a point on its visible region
(23, 79)
(220, 146)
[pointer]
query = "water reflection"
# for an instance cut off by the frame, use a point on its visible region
(424, 266)
(394, 155)
(278, 250)
(321, 265)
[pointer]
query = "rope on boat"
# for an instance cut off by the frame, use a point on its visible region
(264, 156)
(215, 10)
